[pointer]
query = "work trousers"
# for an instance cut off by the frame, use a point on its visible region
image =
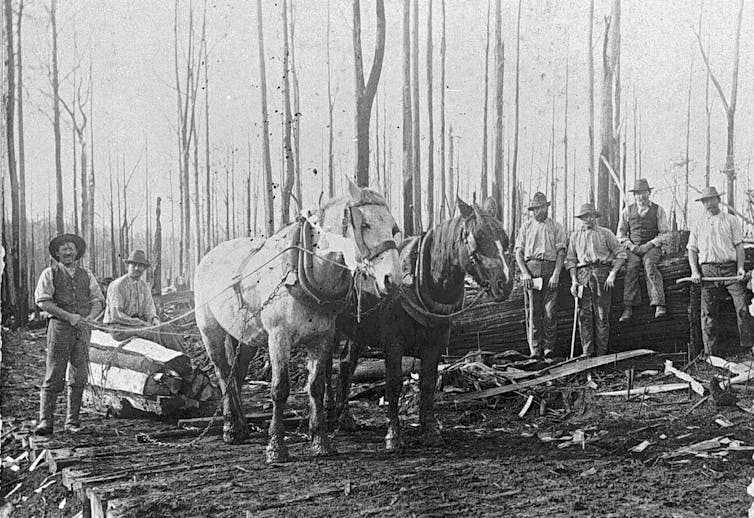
(67, 347)
(165, 335)
(594, 310)
(712, 296)
(544, 305)
(655, 290)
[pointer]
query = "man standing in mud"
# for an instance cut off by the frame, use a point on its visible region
(593, 260)
(71, 296)
(540, 252)
(716, 249)
(642, 228)
(130, 309)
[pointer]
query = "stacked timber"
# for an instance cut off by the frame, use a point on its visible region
(142, 375)
(499, 326)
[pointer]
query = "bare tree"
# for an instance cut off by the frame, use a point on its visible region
(729, 105)
(290, 172)
(688, 139)
(268, 199)
(514, 168)
(430, 128)
(296, 113)
(330, 108)
(415, 125)
(566, 220)
(55, 83)
(157, 249)
(23, 251)
(590, 61)
(443, 49)
(408, 154)
(365, 92)
(207, 168)
(499, 101)
(92, 244)
(486, 100)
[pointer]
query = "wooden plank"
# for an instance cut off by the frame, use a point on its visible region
(650, 389)
(577, 366)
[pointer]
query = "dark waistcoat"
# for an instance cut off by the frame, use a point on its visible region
(642, 229)
(71, 293)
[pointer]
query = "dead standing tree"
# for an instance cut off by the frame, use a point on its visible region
(486, 101)
(497, 183)
(290, 166)
(365, 92)
(430, 128)
(443, 49)
(729, 105)
(269, 207)
(415, 125)
(53, 76)
(408, 156)
(23, 250)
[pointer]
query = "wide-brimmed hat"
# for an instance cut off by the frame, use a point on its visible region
(539, 200)
(67, 238)
(641, 185)
(138, 257)
(709, 192)
(588, 208)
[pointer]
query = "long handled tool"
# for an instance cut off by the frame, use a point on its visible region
(529, 315)
(575, 319)
(710, 279)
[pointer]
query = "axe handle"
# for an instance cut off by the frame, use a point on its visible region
(710, 279)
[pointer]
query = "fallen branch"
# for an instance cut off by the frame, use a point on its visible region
(651, 389)
(695, 385)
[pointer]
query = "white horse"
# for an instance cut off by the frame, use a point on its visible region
(286, 291)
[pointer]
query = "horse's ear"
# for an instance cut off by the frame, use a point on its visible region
(467, 210)
(377, 186)
(353, 190)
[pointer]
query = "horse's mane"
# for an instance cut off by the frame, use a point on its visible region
(448, 237)
(368, 197)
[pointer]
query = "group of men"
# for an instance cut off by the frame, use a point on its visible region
(71, 296)
(593, 255)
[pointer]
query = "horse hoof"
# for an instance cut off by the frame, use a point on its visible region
(322, 447)
(232, 435)
(277, 454)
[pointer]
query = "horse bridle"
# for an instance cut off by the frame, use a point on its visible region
(353, 216)
(469, 242)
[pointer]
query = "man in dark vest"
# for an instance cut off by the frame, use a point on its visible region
(642, 229)
(72, 297)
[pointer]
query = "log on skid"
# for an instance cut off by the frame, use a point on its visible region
(500, 326)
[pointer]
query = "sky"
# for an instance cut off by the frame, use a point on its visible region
(130, 45)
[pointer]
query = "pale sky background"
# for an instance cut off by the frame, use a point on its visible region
(131, 45)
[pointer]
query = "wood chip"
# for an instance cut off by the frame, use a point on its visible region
(527, 406)
(640, 447)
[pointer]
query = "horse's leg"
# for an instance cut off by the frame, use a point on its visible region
(393, 347)
(430, 352)
(235, 430)
(318, 353)
(348, 361)
(330, 401)
(280, 354)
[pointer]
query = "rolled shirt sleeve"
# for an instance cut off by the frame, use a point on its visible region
(45, 287)
(623, 225)
(561, 239)
(572, 259)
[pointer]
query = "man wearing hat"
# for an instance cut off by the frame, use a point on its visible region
(642, 229)
(540, 252)
(716, 249)
(593, 260)
(130, 309)
(71, 296)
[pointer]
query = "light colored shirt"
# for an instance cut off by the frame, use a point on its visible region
(624, 224)
(541, 240)
(129, 302)
(597, 245)
(715, 238)
(46, 287)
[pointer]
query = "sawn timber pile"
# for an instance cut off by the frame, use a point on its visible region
(497, 327)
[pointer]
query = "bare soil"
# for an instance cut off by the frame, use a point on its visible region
(492, 463)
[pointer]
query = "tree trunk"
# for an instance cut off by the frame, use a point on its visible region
(289, 177)
(590, 61)
(23, 252)
(430, 129)
(514, 170)
(364, 93)
(74, 171)
(330, 107)
(157, 250)
(606, 125)
(451, 177)
(59, 221)
(408, 154)
(499, 101)
(269, 206)
(496, 191)
(443, 49)
(688, 138)
(113, 255)
(296, 114)
(418, 223)
(92, 234)
(566, 219)
(207, 168)
(616, 191)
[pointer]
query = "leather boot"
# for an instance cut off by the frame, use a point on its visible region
(72, 420)
(47, 402)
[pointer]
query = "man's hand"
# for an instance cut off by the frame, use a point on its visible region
(696, 278)
(78, 322)
(610, 281)
(527, 281)
(575, 290)
(554, 281)
(643, 249)
(741, 273)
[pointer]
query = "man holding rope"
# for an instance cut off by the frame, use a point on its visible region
(715, 249)
(71, 296)
(540, 252)
(130, 309)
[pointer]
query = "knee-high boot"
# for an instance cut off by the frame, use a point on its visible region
(72, 420)
(47, 401)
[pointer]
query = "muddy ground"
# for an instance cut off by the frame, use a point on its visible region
(492, 463)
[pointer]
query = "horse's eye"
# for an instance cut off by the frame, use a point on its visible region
(365, 225)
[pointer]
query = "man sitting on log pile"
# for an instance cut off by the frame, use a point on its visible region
(540, 251)
(593, 260)
(642, 228)
(72, 297)
(716, 243)
(130, 309)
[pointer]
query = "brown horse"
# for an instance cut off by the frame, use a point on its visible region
(417, 322)
(286, 292)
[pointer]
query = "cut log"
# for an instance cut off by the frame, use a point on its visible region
(137, 354)
(651, 389)
(572, 367)
(374, 370)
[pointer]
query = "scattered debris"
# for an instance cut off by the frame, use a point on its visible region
(723, 421)
(695, 385)
(527, 406)
(641, 391)
(640, 447)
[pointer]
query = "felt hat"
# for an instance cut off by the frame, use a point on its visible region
(538, 200)
(67, 238)
(641, 185)
(588, 208)
(709, 192)
(137, 257)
